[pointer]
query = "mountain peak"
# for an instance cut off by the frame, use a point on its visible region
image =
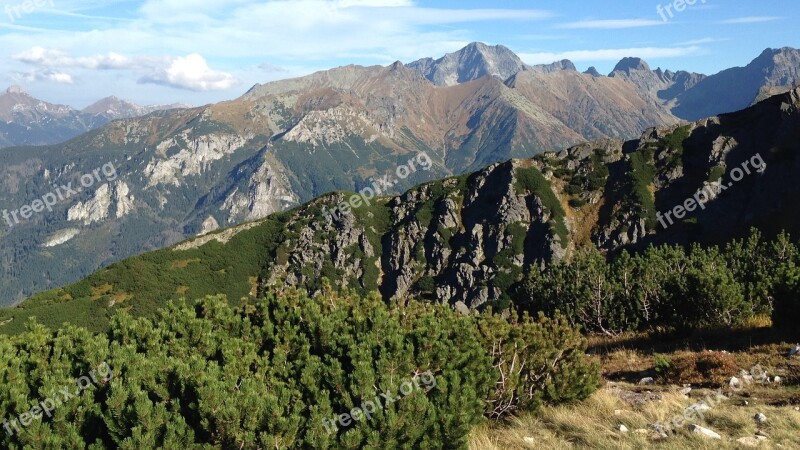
(474, 61)
(114, 107)
(15, 90)
(593, 72)
(629, 64)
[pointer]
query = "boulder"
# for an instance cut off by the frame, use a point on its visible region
(622, 428)
(699, 407)
(749, 441)
(760, 419)
(647, 380)
(705, 432)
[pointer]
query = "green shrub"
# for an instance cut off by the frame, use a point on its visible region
(662, 365)
(577, 203)
(641, 176)
(268, 374)
(716, 174)
(531, 181)
(542, 361)
(787, 297)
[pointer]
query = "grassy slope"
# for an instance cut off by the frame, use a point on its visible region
(142, 284)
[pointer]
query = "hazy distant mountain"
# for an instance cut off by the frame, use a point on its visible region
(189, 171)
(737, 88)
(114, 108)
(30, 121)
(692, 96)
(25, 120)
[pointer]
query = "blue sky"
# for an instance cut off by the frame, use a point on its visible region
(200, 51)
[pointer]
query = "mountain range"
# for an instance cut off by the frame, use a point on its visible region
(184, 172)
(469, 240)
(26, 120)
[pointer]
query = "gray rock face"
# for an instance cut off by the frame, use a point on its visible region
(449, 241)
(470, 63)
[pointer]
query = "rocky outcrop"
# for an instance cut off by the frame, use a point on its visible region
(189, 156)
(466, 241)
(93, 210)
(460, 241)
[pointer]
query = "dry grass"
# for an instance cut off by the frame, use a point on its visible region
(592, 424)
(626, 359)
(100, 291)
(184, 263)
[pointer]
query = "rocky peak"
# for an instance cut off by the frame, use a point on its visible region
(474, 61)
(627, 65)
(593, 72)
(15, 90)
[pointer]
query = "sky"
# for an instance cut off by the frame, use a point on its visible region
(195, 52)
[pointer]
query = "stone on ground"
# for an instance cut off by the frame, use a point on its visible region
(705, 432)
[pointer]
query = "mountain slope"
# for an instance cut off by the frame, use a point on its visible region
(468, 240)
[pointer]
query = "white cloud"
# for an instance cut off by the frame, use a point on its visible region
(751, 19)
(192, 72)
(60, 77)
(373, 3)
(614, 54)
(189, 72)
(43, 75)
(701, 41)
(613, 24)
(49, 57)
